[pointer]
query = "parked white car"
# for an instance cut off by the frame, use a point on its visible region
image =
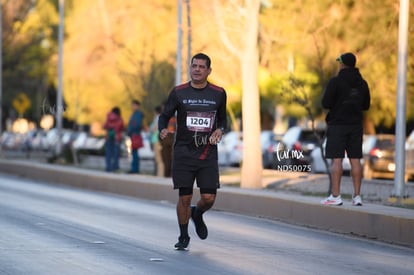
(146, 151)
(409, 154)
(230, 149)
(301, 140)
(88, 143)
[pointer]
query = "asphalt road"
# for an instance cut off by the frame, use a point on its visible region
(51, 229)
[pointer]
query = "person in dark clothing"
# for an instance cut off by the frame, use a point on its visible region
(114, 127)
(201, 119)
(156, 144)
(346, 97)
(167, 145)
(134, 132)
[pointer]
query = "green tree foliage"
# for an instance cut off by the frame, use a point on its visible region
(111, 49)
(313, 33)
(28, 46)
(159, 80)
(118, 50)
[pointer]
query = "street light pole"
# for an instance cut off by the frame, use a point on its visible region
(178, 69)
(59, 103)
(1, 68)
(189, 37)
(401, 100)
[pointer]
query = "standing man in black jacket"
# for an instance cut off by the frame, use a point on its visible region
(346, 97)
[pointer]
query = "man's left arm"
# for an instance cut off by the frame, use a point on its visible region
(221, 114)
(367, 99)
(221, 121)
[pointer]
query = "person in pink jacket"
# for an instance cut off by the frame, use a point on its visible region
(114, 127)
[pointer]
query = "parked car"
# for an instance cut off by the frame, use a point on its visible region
(11, 141)
(230, 149)
(379, 152)
(270, 156)
(144, 152)
(38, 140)
(409, 155)
(89, 145)
(379, 157)
(299, 143)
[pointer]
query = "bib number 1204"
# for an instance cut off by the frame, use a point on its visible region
(199, 121)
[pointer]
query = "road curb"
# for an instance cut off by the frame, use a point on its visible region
(384, 223)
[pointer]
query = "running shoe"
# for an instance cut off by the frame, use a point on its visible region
(200, 226)
(357, 201)
(331, 200)
(183, 242)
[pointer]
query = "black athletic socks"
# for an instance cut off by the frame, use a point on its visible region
(184, 229)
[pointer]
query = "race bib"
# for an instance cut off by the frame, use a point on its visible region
(200, 121)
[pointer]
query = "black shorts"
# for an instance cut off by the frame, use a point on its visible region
(341, 138)
(204, 172)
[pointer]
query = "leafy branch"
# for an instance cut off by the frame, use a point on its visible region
(294, 92)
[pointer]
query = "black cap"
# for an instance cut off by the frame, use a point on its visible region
(347, 59)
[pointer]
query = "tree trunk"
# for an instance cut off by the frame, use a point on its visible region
(252, 167)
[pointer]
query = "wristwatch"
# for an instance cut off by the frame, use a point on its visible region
(222, 130)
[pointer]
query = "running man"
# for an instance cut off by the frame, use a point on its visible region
(201, 119)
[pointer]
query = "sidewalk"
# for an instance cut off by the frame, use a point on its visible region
(317, 185)
(305, 184)
(374, 221)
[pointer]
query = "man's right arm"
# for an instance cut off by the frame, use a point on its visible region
(329, 94)
(169, 110)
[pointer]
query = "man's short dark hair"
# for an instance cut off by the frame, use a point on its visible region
(202, 56)
(136, 102)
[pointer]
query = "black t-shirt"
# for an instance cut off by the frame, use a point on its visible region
(199, 112)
